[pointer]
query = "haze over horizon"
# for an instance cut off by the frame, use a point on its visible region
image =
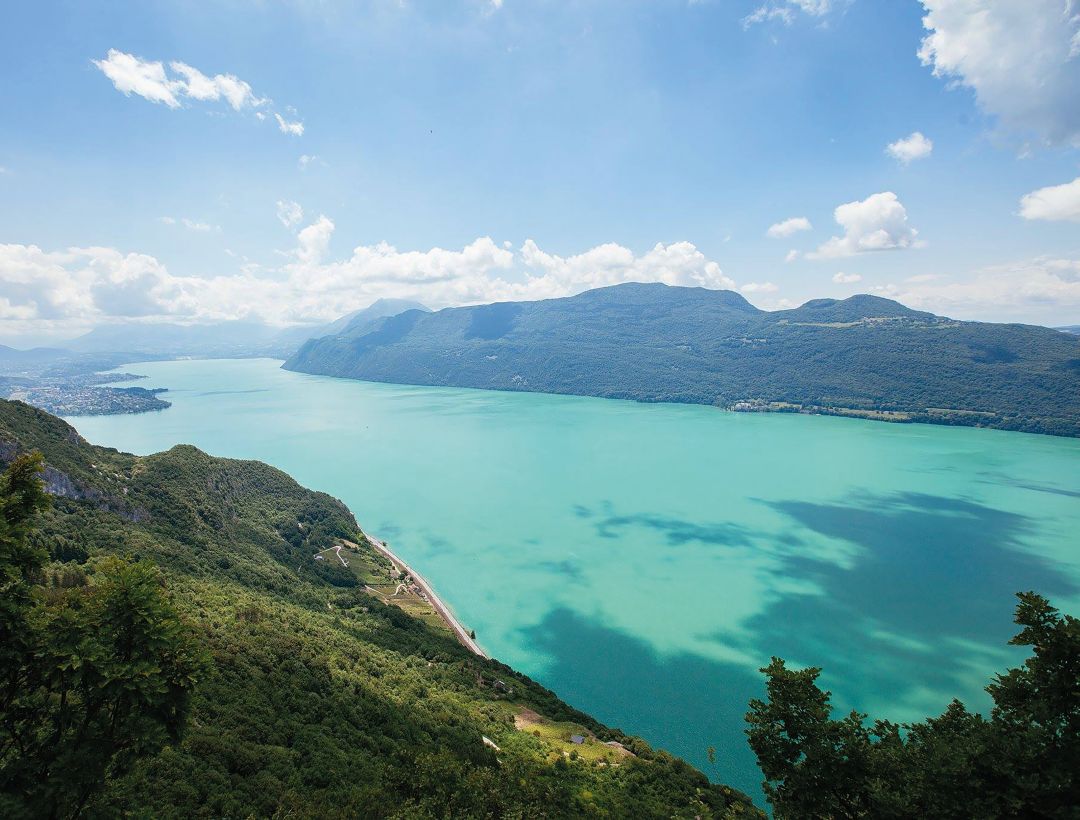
(291, 163)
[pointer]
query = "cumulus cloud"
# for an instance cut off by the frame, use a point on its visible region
(1060, 203)
(83, 282)
(791, 256)
(679, 263)
(40, 289)
(1045, 289)
(150, 80)
(788, 227)
(842, 278)
(290, 213)
(877, 223)
(314, 240)
(915, 146)
(1018, 56)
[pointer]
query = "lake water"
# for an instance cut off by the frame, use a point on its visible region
(645, 560)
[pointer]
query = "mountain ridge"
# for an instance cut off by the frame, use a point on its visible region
(864, 355)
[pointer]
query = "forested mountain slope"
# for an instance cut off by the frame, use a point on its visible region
(860, 356)
(318, 698)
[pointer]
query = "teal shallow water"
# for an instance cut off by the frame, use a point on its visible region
(645, 560)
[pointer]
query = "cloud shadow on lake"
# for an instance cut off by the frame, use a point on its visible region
(930, 586)
(690, 701)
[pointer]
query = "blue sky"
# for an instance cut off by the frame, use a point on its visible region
(462, 151)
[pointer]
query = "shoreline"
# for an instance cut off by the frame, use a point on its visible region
(440, 608)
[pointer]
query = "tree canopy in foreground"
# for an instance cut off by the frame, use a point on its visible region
(1022, 761)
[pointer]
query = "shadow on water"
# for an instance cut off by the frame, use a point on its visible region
(675, 530)
(1011, 481)
(569, 570)
(927, 566)
(912, 605)
(924, 605)
(684, 703)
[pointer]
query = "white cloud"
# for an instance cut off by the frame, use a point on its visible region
(877, 223)
(200, 87)
(842, 278)
(40, 290)
(792, 255)
(305, 160)
(1018, 56)
(1055, 202)
(57, 291)
(146, 78)
(764, 14)
(287, 127)
(788, 227)
(1044, 289)
(314, 240)
(85, 282)
(190, 224)
(679, 263)
(915, 146)
(290, 213)
(786, 11)
(759, 287)
(150, 80)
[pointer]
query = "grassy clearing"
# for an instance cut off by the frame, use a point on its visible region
(555, 736)
(377, 575)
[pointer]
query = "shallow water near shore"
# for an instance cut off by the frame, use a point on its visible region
(645, 560)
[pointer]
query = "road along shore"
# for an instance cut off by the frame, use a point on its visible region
(442, 609)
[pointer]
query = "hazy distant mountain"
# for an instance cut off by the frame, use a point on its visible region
(651, 342)
(224, 339)
(12, 358)
(294, 337)
(1075, 329)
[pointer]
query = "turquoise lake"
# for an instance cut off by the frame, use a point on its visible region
(645, 560)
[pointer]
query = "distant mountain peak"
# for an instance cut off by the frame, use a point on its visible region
(859, 306)
(660, 293)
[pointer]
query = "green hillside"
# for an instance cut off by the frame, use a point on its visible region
(860, 356)
(317, 699)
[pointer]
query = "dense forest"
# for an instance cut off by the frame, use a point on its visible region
(649, 342)
(171, 649)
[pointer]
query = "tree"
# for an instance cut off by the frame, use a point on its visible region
(1037, 711)
(1023, 761)
(95, 675)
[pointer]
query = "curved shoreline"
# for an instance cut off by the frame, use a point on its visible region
(442, 609)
